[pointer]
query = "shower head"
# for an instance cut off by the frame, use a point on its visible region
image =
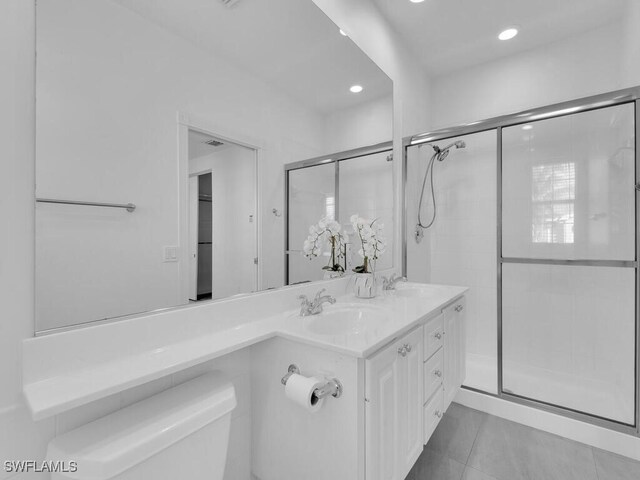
(443, 152)
(458, 144)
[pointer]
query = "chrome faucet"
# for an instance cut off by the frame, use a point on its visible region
(390, 283)
(314, 307)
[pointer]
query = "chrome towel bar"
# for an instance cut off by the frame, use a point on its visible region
(129, 207)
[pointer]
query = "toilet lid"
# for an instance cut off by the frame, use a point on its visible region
(114, 443)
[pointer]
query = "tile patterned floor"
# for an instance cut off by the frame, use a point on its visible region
(471, 445)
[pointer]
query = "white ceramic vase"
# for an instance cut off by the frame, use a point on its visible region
(364, 285)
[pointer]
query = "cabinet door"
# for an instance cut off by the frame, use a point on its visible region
(411, 400)
(453, 349)
(433, 412)
(394, 386)
(382, 389)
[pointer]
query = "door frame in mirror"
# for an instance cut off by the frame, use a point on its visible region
(185, 123)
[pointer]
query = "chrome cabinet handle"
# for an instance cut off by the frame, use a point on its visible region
(437, 373)
(438, 335)
(403, 350)
(408, 348)
(437, 414)
(459, 308)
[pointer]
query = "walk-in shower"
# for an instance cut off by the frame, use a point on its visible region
(439, 154)
(539, 218)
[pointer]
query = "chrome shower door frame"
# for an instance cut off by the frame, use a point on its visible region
(334, 158)
(611, 99)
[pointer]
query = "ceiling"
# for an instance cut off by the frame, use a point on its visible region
(289, 44)
(447, 35)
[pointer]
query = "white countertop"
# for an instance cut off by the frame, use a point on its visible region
(69, 369)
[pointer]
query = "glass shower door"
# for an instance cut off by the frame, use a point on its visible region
(568, 265)
(460, 247)
(311, 195)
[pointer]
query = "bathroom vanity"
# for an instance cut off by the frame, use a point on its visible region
(414, 380)
(399, 358)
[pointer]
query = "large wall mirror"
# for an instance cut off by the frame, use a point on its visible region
(163, 128)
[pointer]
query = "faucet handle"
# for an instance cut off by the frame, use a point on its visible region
(319, 294)
(304, 298)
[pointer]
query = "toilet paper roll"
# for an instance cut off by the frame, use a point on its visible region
(300, 390)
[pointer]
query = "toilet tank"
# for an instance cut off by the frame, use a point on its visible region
(180, 433)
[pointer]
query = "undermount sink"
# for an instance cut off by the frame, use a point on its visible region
(346, 319)
(411, 290)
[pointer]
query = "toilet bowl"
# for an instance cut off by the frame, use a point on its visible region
(180, 433)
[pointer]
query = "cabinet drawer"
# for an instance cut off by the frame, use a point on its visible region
(433, 374)
(433, 412)
(433, 335)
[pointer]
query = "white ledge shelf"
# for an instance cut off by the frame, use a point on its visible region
(69, 369)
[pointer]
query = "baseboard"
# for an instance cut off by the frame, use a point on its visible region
(593, 435)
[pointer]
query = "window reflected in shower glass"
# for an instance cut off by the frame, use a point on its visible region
(330, 207)
(553, 194)
(311, 196)
(568, 187)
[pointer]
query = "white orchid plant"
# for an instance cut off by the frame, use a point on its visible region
(372, 242)
(327, 232)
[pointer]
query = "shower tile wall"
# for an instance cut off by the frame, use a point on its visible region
(366, 188)
(460, 247)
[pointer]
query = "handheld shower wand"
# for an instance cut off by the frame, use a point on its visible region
(439, 154)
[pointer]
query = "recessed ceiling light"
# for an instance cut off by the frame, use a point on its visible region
(527, 127)
(342, 32)
(416, 1)
(356, 88)
(508, 34)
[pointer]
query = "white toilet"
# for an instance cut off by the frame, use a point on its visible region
(181, 433)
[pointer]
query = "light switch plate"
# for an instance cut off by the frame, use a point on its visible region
(170, 254)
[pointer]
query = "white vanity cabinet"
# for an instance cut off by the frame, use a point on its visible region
(454, 349)
(444, 362)
(393, 399)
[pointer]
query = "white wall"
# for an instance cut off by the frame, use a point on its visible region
(365, 124)
(597, 61)
(631, 45)
(138, 79)
(234, 236)
(20, 438)
(368, 28)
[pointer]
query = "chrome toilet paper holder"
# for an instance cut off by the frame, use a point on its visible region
(332, 387)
